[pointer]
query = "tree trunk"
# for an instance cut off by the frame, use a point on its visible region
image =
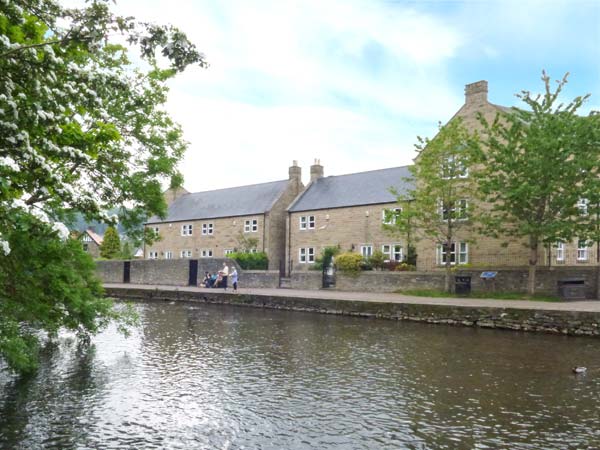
(448, 279)
(533, 255)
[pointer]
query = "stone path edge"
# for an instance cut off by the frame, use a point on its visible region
(574, 319)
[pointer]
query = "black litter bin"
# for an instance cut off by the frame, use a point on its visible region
(462, 285)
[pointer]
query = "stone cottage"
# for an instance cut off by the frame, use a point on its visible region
(346, 211)
(215, 223)
(91, 242)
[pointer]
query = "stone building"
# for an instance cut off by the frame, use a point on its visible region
(346, 211)
(91, 242)
(478, 250)
(215, 223)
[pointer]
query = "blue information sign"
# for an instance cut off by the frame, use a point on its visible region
(489, 275)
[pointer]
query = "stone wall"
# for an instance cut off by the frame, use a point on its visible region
(170, 272)
(556, 322)
(390, 281)
(110, 271)
(259, 279)
(174, 272)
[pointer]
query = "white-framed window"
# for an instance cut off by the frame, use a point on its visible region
(388, 216)
(307, 222)
(454, 167)
(186, 253)
(455, 211)
(582, 250)
(155, 230)
(392, 252)
(582, 206)
(228, 251)
(207, 228)
(152, 255)
(251, 226)
(366, 250)
(206, 253)
(559, 249)
(168, 254)
(306, 255)
(187, 229)
(463, 253)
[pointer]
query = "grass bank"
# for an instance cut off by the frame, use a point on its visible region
(483, 295)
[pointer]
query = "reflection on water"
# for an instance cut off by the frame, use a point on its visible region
(213, 376)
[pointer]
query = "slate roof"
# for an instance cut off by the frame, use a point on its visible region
(230, 202)
(363, 188)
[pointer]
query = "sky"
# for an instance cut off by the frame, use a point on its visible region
(351, 82)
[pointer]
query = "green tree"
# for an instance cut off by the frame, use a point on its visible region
(127, 251)
(537, 164)
(81, 129)
(400, 222)
(439, 206)
(111, 244)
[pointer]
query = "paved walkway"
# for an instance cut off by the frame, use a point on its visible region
(585, 305)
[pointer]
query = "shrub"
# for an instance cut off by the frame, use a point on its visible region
(251, 261)
(377, 260)
(324, 259)
(349, 262)
(404, 267)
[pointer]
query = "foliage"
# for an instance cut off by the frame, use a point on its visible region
(325, 258)
(349, 262)
(537, 164)
(48, 284)
(396, 266)
(251, 261)
(83, 130)
(247, 244)
(127, 250)
(439, 205)
(377, 260)
(111, 244)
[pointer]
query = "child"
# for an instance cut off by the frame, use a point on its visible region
(234, 279)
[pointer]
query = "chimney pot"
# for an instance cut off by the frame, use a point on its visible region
(316, 170)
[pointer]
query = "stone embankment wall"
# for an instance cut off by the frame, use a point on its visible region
(556, 322)
(176, 273)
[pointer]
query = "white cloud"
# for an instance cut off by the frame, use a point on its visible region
(343, 81)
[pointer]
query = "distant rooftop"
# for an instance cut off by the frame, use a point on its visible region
(229, 202)
(363, 188)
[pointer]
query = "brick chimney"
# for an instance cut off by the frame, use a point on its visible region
(295, 172)
(476, 93)
(316, 170)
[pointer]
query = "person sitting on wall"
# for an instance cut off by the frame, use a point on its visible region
(218, 280)
(206, 280)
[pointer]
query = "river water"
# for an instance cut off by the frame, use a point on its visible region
(222, 377)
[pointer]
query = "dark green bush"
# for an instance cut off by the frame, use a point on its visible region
(251, 261)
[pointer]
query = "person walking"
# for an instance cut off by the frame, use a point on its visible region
(225, 275)
(234, 279)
